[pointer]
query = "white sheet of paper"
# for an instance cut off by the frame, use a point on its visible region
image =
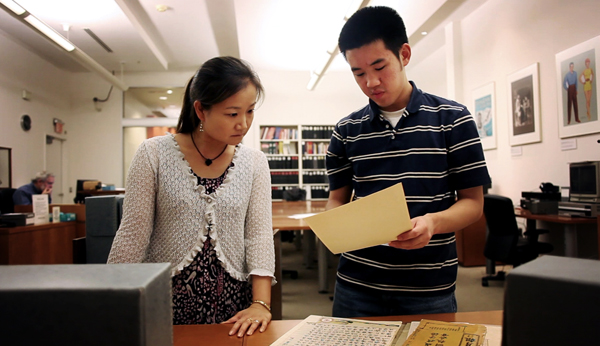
(373, 220)
(300, 216)
(40, 209)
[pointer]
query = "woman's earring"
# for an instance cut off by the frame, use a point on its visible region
(201, 127)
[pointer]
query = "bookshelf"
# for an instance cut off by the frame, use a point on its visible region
(296, 155)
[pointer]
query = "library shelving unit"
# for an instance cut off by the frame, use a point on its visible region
(281, 144)
(315, 140)
(296, 155)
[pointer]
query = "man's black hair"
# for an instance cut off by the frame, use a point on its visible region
(370, 24)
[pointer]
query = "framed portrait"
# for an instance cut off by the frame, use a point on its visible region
(577, 90)
(524, 123)
(484, 104)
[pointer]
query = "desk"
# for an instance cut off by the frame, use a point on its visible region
(216, 334)
(50, 243)
(570, 225)
(77, 209)
(282, 222)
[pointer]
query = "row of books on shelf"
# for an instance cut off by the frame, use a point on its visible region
(315, 177)
(313, 162)
(277, 191)
(284, 178)
(283, 162)
(317, 132)
(315, 147)
(319, 192)
(279, 148)
(315, 191)
(278, 132)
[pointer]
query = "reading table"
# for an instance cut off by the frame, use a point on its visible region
(282, 221)
(216, 334)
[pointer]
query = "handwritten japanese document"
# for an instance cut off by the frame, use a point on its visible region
(331, 331)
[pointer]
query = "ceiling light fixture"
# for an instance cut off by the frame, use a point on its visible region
(13, 6)
(42, 28)
(162, 8)
(317, 75)
(49, 33)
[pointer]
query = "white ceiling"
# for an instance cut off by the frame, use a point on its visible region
(270, 34)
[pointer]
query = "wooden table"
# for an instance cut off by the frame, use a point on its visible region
(569, 223)
(50, 243)
(217, 334)
(282, 221)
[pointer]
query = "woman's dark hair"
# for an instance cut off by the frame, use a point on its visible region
(370, 24)
(216, 80)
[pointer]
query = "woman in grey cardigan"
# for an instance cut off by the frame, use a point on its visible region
(201, 200)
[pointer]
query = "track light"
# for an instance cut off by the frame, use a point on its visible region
(49, 33)
(317, 75)
(42, 28)
(13, 6)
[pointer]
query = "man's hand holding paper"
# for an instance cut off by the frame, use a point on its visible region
(418, 236)
(373, 220)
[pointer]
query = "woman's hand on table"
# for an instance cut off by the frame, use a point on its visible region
(249, 320)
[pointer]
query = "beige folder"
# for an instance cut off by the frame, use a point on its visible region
(373, 220)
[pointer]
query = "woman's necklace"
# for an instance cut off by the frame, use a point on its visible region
(208, 162)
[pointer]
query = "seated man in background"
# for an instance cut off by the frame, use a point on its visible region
(41, 184)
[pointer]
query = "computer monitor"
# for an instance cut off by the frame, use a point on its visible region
(79, 194)
(584, 178)
(91, 304)
(552, 301)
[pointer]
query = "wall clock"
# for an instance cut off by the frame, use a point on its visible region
(26, 122)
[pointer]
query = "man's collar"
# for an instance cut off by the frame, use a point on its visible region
(412, 107)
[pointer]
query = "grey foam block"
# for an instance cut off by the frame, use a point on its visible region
(552, 301)
(93, 304)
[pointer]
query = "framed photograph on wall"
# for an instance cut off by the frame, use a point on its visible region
(577, 89)
(524, 123)
(484, 104)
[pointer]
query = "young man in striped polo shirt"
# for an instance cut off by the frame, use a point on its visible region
(428, 143)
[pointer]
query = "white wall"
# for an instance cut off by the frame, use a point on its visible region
(95, 149)
(288, 102)
(504, 36)
(49, 89)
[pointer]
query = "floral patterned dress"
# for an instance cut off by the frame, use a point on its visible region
(203, 292)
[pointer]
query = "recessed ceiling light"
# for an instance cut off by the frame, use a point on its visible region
(423, 33)
(169, 91)
(162, 8)
(163, 97)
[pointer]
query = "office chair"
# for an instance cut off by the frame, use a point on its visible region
(504, 242)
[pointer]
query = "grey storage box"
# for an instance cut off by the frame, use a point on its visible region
(93, 304)
(103, 217)
(552, 301)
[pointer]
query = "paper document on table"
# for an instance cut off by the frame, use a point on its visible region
(333, 331)
(368, 221)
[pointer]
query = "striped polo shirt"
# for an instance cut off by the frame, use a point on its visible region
(434, 150)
